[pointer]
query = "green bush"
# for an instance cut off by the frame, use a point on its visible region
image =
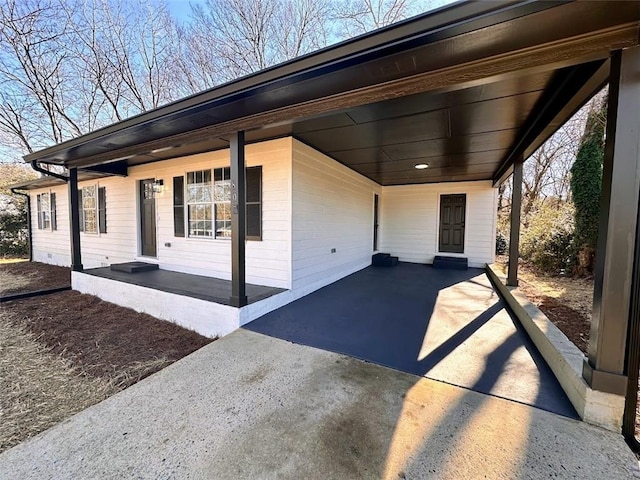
(14, 237)
(546, 241)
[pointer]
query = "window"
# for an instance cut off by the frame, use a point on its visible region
(208, 203)
(222, 198)
(92, 209)
(46, 211)
(199, 204)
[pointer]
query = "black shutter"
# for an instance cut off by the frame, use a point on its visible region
(39, 211)
(102, 209)
(254, 203)
(178, 206)
(80, 210)
(52, 204)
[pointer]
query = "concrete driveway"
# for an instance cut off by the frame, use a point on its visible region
(250, 407)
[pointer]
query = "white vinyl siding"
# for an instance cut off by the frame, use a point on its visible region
(268, 261)
(409, 223)
(332, 209)
(51, 246)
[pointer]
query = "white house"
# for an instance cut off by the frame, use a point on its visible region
(313, 223)
(254, 193)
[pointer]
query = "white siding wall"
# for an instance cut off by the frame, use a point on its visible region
(410, 219)
(332, 208)
(51, 246)
(268, 261)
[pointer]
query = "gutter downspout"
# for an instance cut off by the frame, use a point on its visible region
(29, 226)
(36, 166)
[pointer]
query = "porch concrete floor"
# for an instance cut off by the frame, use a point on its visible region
(447, 325)
(250, 406)
(196, 286)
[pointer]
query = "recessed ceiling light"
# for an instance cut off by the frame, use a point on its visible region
(421, 166)
(163, 149)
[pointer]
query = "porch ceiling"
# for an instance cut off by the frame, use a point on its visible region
(468, 89)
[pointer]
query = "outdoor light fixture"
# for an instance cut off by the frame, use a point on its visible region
(158, 186)
(421, 166)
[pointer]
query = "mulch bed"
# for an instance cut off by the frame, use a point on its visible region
(34, 276)
(103, 339)
(571, 322)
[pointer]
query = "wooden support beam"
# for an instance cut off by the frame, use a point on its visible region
(605, 368)
(238, 221)
(514, 232)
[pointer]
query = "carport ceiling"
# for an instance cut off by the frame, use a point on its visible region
(462, 135)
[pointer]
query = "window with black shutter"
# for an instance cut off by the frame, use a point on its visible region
(206, 200)
(54, 216)
(178, 206)
(102, 209)
(39, 202)
(254, 203)
(46, 206)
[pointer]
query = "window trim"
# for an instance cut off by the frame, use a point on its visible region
(185, 206)
(100, 209)
(51, 210)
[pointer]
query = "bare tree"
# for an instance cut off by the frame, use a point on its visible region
(227, 39)
(33, 72)
(355, 17)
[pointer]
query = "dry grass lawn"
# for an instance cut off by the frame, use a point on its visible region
(63, 352)
(37, 387)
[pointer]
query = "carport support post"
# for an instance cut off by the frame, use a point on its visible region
(74, 220)
(238, 222)
(604, 369)
(514, 232)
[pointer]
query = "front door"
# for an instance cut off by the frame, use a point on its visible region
(452, 216)
(147, 218)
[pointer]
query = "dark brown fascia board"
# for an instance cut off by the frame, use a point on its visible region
(442, 21)
(558, 55)
(551, 116)
(44, 182)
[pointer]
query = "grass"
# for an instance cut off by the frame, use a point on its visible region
(63, 352)
(37, 387)
(12, 260)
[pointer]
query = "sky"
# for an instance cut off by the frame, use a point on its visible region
(180, 8)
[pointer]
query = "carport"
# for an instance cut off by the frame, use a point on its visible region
(446, 325)
(472, 90)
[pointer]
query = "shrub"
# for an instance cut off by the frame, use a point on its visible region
(14, 236)
(501, 244)
(546, 241)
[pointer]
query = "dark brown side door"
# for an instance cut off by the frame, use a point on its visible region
(147, 218)
(452, 217)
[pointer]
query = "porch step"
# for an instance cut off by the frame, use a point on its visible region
(451, 263)
(384, 260)
(134, 267)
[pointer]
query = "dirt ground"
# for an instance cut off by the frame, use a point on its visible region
(17, 277)
(63, 352)
(567, 302)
